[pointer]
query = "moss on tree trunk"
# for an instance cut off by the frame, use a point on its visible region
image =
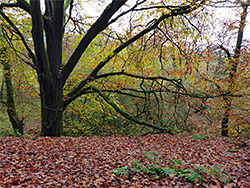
(52, 108)
(17, 124)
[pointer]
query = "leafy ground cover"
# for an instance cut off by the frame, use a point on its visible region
(90, 161)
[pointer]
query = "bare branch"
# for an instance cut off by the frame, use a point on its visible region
(23, 4)
(92, 76)
(176, 82)
(127, 115)
(191, 23)
(32, 55)
(226, 51)
(95, 29)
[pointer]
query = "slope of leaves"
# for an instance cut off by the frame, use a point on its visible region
(89, 161)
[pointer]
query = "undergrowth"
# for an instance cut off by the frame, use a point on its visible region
(175, 167)
(200, 137)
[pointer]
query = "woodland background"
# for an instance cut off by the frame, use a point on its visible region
(145, 69)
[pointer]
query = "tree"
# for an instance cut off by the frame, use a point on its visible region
(46, 52)
(233, 61)
(227, 57)
(17, 124)
(217, 73)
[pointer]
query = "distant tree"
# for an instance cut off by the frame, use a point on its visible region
(234, 61)
(17, 124)
(227, 55)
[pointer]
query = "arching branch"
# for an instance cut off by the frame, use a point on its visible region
(127, 115)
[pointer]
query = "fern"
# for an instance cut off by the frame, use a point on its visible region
(122, 170)
(200, 137)
(152, 156)
(163, 172)
(191, 177)
(176, 161)
(154, 168)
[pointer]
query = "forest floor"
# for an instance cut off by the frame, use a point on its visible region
(89, 161)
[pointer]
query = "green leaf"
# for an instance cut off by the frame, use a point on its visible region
(215, 169)
(151, 155)
(199, 137)
(135, 169)
(163, 172)
(177, 162)
(121, 170)
(66, 4)
(192, 177)
(202, 169)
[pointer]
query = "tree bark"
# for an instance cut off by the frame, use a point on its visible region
(52, 108)
(225, 119)
(233, 70)
(47, 54)
(17, 124)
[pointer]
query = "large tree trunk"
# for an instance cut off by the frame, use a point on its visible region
(52, 108)
(46, 53)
